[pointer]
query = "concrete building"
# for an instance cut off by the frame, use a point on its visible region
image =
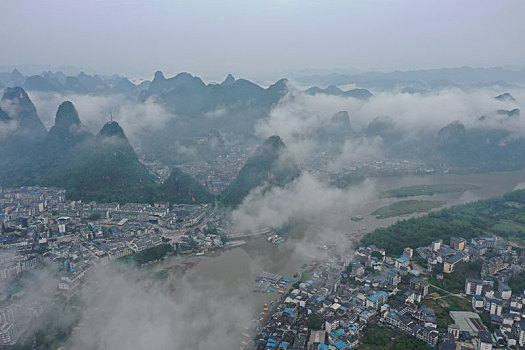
(484, 341)
(402, 262)
(419, 285)
(453, 330)
(478, 302)
(408, 252)
(473, 286)
(450, 263)
(520, 330)
(505, 291)
(458, 243)
(376, 300)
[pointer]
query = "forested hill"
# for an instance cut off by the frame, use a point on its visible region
(263, 167)
(102, 168)
(182, 188)
(502, 216)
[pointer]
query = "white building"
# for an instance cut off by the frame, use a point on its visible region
(473, 286)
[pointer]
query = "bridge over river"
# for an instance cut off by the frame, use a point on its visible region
(258, 232)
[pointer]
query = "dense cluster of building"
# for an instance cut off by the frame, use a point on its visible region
(39, 227)
(322, 163)
(393, 292)
(288, 324)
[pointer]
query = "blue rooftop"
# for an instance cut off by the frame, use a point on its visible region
(337, 333)
(339, 344)
(377, 296)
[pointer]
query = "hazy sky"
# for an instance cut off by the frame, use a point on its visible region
(258, 37)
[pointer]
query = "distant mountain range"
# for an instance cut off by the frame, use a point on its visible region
(421, 80)
(211, 116)
(361, 94)
(60, 83)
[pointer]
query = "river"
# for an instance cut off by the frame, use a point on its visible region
(233, 272)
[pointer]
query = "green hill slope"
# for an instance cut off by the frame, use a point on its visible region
(262, 167)
(182, 188)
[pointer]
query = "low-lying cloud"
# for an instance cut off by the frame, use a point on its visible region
(127, 308)
(299, 117)
(357, 150)
(94, 111)
(324, 209)
(300, 114)
(7, 128)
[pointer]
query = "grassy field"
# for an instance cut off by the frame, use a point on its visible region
(443, 305)
(406, 207)
(455, 282)
(379, 338)
(427, 190)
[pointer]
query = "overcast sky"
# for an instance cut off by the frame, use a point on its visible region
(260, 37)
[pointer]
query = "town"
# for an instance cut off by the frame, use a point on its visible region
(444, 296)
(39, 227)
(447, 295)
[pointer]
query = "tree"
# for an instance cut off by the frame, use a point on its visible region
(314, 321)
(224, 238)
(377, 255)
(94, 217)
(517, 283)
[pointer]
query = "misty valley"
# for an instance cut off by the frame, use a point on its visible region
(262, 175)
(177, 193)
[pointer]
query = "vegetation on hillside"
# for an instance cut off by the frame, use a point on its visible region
(182, 188)
(517, 283)
(262, 167)
(102, 168)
